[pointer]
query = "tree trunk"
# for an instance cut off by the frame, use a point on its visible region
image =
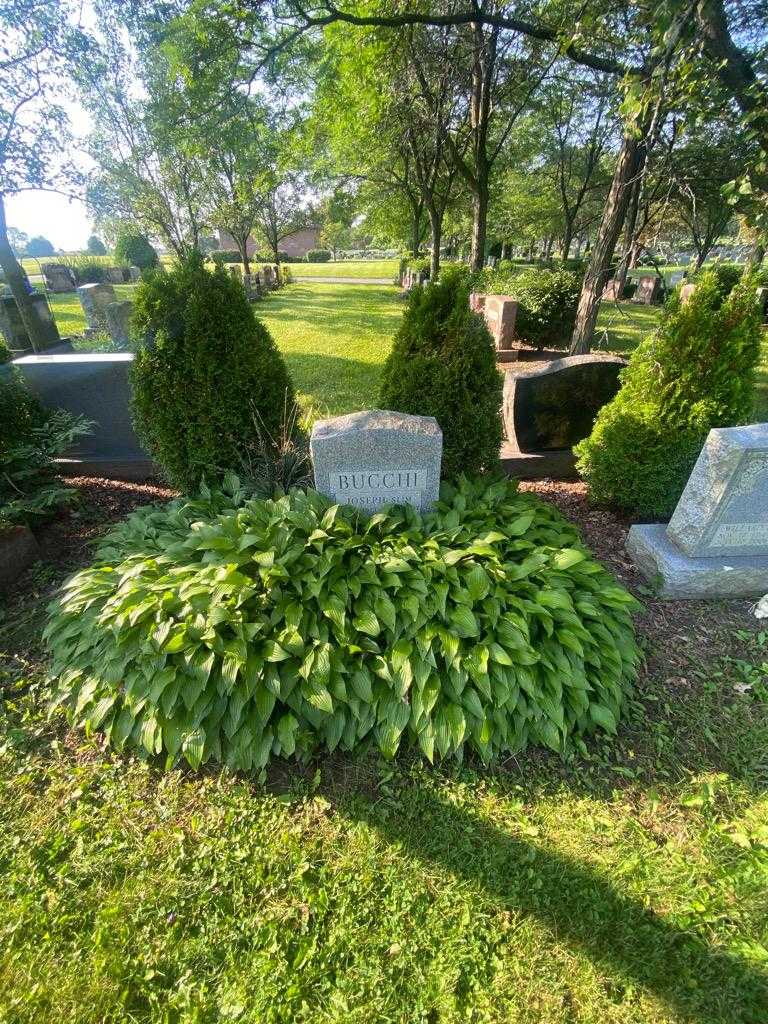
(757, 255)
(416, 213)
(479, 223)
(436, 226)
(17, 283)
(242, 245)
(629, 235)
(628, 165)
(567, 239)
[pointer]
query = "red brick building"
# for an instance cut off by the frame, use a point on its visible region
(296, 244)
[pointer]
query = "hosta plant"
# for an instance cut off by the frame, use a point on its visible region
(231, 629)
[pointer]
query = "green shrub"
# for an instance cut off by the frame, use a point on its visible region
(209, 368)
(87, 269)
(695, 373)
(30, 439)
(20, 411)
(319, 255)
(727, 276)
(547, 301)
(96, 247)
(223, 631)
(136, 251)
(443, 364)
(226, 256)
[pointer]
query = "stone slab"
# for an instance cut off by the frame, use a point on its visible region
(648, 289)
(680, 577)
(94, 385)
(12, 327)
(94, 298)
(723, 510)
(550, 406)
(538, 465)
(118, 319)
(377, 457)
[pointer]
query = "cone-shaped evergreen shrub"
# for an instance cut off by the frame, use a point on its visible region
(208, 378)
(695, 373)
(443, 364)
(225, 630)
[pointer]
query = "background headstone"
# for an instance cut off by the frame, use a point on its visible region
(550, 406)
(118, 318)
(716, 544)
(12, 326)
(500, 313)
(686, 291)
(648, 289)
(612, 290)
(58, 277)
(376, 458)
(134, 273)
(94, 298)
(116, 275)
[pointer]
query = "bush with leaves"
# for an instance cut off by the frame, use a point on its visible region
(229, 631)
(30, 439)
(135, 250)
(225, 256)
(319, 256)
(547, 302)
(696, 372)
(208, 368)
(727, 276)
(443, 364)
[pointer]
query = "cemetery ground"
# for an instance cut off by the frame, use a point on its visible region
(627, 885)
(336, 337)
(624, 886)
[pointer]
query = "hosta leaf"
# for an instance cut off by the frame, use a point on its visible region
(463, 621)
(193, 746)
(367, 622)
(603, 716)
(567, 557)
(317, 695)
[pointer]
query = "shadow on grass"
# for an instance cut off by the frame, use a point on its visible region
(578, 905)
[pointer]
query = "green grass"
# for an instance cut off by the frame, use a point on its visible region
(628, 887)
(335, 339)
(68, 312)
(347, 268)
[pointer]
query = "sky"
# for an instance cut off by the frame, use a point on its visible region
(64, 222)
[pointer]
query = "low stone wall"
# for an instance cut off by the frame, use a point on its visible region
(95, 385)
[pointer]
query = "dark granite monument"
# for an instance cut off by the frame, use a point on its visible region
(550, 406)
(12, 327)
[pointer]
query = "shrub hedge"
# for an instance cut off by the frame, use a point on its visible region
(319, 255)
(210, 378)
(223, 631)
(136, 251)
(547, 301)
(695, 373)
(443, 364)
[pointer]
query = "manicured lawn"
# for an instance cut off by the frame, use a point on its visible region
(335, 339)
(626, 887)
(347, 268)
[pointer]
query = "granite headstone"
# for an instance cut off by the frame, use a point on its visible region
(550, 406)
(94, 298)
(500, 312)
(12, 326)
(118, 319)
(612, 290)
(116, 275)
(648, 289)
(58, 277)
(716, 543)
(375, 458)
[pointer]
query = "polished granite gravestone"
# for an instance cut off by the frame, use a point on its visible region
(648, 289)
(95, 385)
(375, 458)
(716, 543)
(550, 406)
(12, 326)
